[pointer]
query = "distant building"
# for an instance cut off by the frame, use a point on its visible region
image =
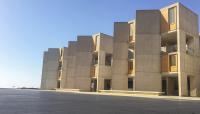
(158, 51)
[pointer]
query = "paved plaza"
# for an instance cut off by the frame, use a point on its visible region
(49, 102)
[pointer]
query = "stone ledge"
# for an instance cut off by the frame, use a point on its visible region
(63, 90)
(133, 92)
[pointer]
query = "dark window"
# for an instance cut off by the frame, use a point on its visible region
(108, 59)
(130, 83)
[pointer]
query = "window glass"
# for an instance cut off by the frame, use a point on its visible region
(173, 60)
(172, 15)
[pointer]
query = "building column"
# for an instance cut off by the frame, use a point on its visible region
(182, 76)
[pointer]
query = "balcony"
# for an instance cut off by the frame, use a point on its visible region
(169, 62)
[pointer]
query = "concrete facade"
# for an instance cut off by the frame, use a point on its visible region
(50, 68)
(120, 56)
(83, 62)
(103, 45)
(71, 65)
(159, 51)
(147, 51)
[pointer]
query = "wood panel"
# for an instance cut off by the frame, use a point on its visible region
(174, 68)
(92, 71)
(130, 67)
(164, 21)
(165, 63)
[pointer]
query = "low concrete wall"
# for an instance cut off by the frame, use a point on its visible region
(132, 92)
(66, 90)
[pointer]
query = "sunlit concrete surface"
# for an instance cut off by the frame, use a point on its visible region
(50, 102)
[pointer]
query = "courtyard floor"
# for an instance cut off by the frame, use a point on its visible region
(14, 101)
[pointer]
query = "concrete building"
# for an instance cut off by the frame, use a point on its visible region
(50, 69)
(159, 51)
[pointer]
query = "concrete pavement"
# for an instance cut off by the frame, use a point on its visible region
(50, 102)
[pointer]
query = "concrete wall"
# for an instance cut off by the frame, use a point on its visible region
(71, 65)
(188, 20)
(120, 56)
(44, 69)
(188, 63)
(50, 69)
(104, 45)
(147, 51)
(83, 62)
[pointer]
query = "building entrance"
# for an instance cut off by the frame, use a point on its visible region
(164, 86)
(130, 84)
(170, 86)
(188, 85)
(58, 84)
(93, 85)
(107, 84)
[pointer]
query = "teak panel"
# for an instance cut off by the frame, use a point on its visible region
(164, 21)
(165, 63)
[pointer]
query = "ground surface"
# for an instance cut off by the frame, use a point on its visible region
(48, 102)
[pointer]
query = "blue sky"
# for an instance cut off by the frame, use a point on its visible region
(29, 27)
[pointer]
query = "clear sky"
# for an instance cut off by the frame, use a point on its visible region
(29, 27)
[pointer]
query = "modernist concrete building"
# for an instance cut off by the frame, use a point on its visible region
(159, 51)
